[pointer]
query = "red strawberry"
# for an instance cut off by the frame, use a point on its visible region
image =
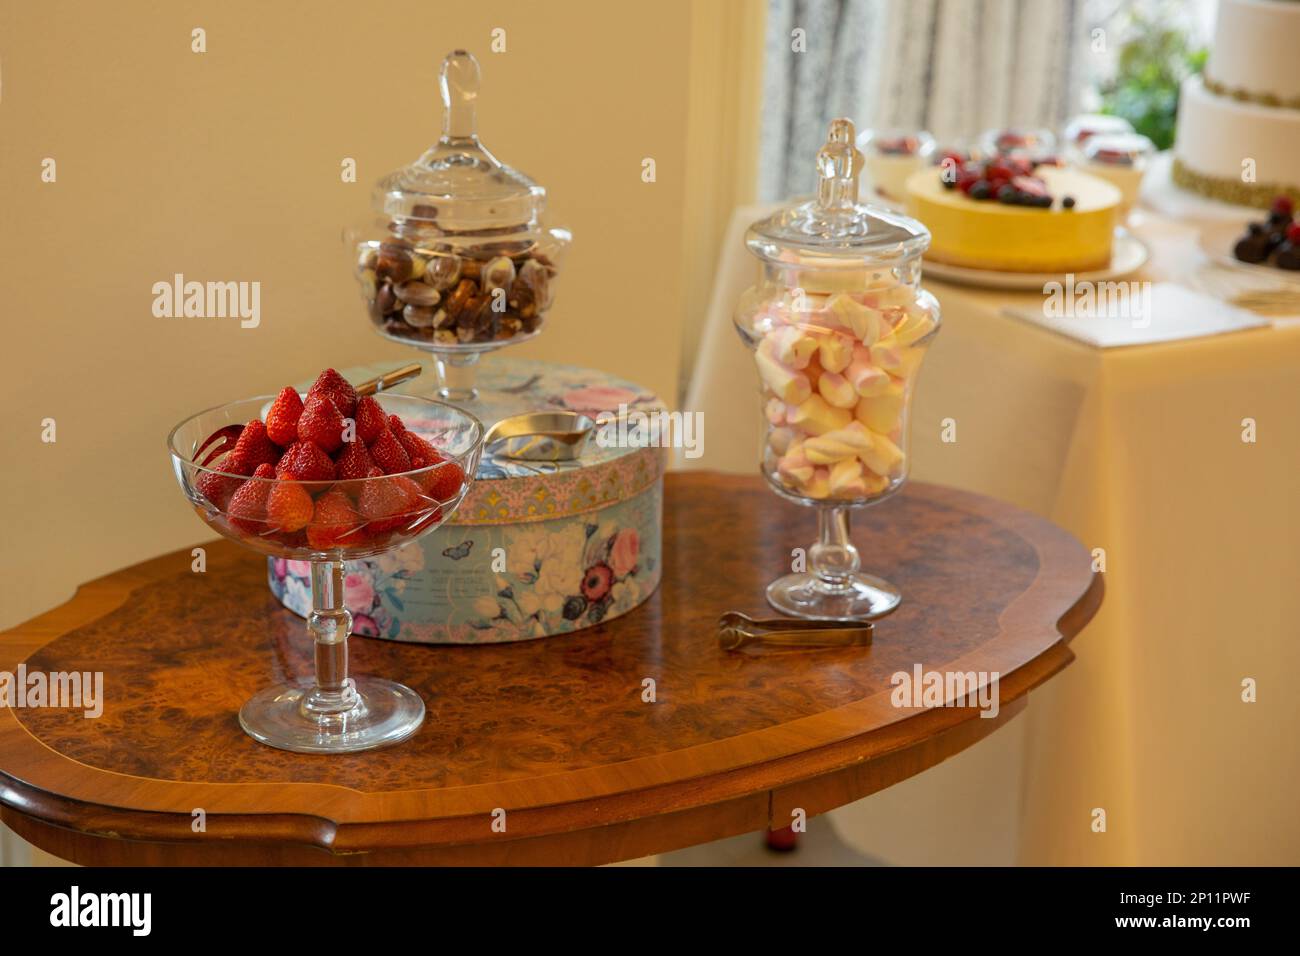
(445, 481)
(396, 425)
(254, 447)
(417, 447)
(218, 488)
(247, 509)
(370, 419)
(282, 417)
(305, 462)
(321, 423)
(333, 522)
(354, 462)
(337, 389)
(289, 507)
(388, 503)
(389, 454)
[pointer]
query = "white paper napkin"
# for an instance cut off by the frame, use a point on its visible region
(1117, 313)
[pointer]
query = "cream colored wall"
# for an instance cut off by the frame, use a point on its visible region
(225, 165)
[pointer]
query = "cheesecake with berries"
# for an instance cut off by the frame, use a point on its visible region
(1014, 214)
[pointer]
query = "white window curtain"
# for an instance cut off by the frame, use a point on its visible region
(953, 67)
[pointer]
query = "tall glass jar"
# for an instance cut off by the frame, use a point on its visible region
(457, 259)
(839, 325)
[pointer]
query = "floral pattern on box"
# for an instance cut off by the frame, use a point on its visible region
(489, 584)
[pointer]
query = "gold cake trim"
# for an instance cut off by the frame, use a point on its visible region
(1243, 95)
(1230, 190)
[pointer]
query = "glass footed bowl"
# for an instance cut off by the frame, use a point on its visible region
(332, 713)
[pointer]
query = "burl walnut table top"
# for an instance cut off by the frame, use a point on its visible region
(555, 732)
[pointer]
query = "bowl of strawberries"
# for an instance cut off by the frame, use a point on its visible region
(328, 476)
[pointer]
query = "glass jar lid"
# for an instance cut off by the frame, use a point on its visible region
(458, 186)
(1119, 149)
(833, 228)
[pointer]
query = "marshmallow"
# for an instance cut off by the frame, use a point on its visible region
(819, 485)
(863, 321)
(863, 375)
(834, 352)
(780, 439)
(881, 412)
(816, 417)
(883, 457)
(909, 362)
(813, 371)
(846, 480)
(774, 411)
(915, 324)
(794, 469)
(839, 444)
(886, 353)
(836, 390)
(791, 346)
(787, 384)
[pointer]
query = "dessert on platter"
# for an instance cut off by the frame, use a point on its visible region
(1238, 132)
(1082, 128)
(1274, 241)
(1037, 144)
(1010, 213)
(892, 156)
(1121, 159)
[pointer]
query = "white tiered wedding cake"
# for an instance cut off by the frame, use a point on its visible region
(1238, 136)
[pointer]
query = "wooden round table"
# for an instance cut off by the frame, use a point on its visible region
(545, 752)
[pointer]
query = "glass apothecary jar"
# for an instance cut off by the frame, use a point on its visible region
(839, 326)
(458, 259)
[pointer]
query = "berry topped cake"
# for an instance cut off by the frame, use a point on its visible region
(1013, 213)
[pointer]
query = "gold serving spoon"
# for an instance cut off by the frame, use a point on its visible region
(540, 436)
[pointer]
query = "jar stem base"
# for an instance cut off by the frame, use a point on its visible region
(855, 597)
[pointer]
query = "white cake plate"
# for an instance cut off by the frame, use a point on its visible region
(1159, 194)
(1128, 254)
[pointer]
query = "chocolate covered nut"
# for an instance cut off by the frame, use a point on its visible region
(419, 316)
(442, 272)
(445, 337)
(368, 286)
(367, 257)
(394, 261)
(386, 299)
(424, 211)
(470, 269)
(414, 292)
(441, 320)
(536, 276)
(498, 274)
(520, 299)
(460, 296)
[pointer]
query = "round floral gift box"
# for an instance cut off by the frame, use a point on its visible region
(536, 548)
